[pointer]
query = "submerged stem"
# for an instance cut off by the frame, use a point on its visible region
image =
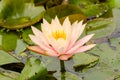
(62, 66)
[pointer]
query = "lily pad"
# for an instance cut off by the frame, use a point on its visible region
(61, 11)
(116, 18)
(18, 14)
(6, 58)
(21, 46)
(117, 3)
(100, 26)
(74, 17)
(33, 70)
(9, 74)
(8, 40)
(67, 76)
(83, 60)
(108, 65)
(2, 77)
(90, 7)
(71, 76)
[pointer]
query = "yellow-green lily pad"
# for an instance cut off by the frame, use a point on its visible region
(83, 60)
(100, 27)
(19, 14)
(6, 58)
(61, 11)
(33, 70)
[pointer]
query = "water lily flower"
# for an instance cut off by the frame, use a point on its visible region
(60, 40)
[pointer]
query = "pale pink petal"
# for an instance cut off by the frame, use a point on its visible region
(57, 20)
(65, 57)
(76, 32)
(55, 24)
(36, 49)
(84, 40)
(36, 31)
(39, 34)
(45, 26)
(80, 43)
(67, 28)
(45, 23)
(58, 45)
(84, 48)
(40, 51)
(37, 41)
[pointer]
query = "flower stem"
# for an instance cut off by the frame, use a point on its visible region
(62, 65)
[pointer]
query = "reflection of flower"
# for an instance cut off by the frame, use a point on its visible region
(60, 40)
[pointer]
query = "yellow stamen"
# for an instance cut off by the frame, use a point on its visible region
(59, 34)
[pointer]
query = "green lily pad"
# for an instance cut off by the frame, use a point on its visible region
(18, 14)
(108, 65)
(116, 18)
(8, 73)
(51, 63)
(74, 17)
(115, 42)
(61, 11)
(33, 70)
(6, 58)
(2, 77)
(71, 76)
(8, 40)
(21, 46)
(51, 3)
(90, 7)
(117, 3)
(66, 76)
(83, 60)
(100, 26)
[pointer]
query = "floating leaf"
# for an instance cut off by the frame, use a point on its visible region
(90, 7)
(117, 3)
(8, 40)
(51, 3)
(61, 11)
(10, 74)
(115, 42)
(100, 26)
(108, 65)
(18, 14)
(51, 63)
(21, 46)
(6, 58)
(71, 76)
(116, 18)
(33, 70)
(74, 17)
(83, 60)
(2, 77)
(67, 76)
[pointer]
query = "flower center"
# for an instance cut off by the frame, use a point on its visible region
(59, 34)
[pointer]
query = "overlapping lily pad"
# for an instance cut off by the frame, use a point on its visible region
(108, 65)
(8, 75)
(101, 27)
(6, 58)
(61, 11)
(21, 14)
(83, 60)
(91, 7)
(33, 70)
